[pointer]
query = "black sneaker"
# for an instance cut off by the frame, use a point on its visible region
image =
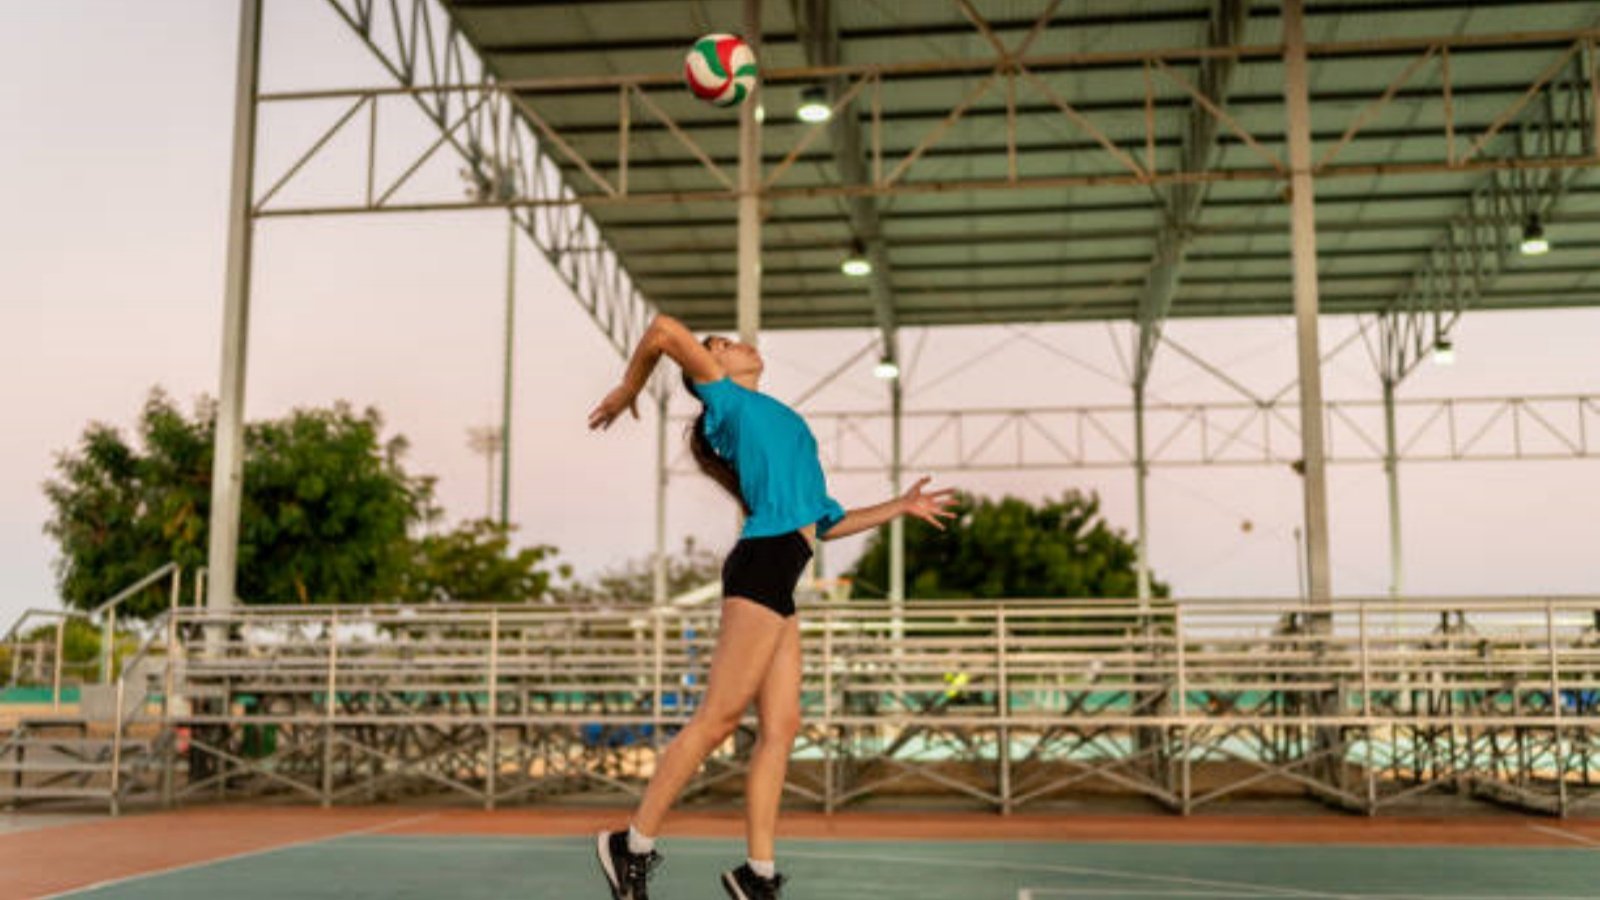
(744, 884)
(626, 872)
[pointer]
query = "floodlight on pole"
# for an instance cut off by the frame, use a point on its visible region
(814, 106)
(1534, 243)
(487, 440)
(886, 369)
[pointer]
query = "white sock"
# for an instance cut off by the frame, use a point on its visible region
(638, 844)
(766, 868)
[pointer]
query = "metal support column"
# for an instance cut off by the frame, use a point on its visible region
(1141, 474)
(492, 719)
(897, 545)
(169, 670)
(108, 641)
(227, 466)
(55, 665)
(749, 240)
(1328, 745)
(658, 592)
(830, 745)
(330, 708)
(1391, 471)
(1303, 232)
(505, 389)
(897, 526)
(1002, 711)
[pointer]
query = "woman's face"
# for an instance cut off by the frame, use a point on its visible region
(735, 357)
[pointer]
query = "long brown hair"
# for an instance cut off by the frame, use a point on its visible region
(705, 456)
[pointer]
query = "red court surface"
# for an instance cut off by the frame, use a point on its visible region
(64, 856)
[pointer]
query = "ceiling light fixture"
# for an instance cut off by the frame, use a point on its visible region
(856, 265)
(1444, 352)
(1534, 243)
(814, 105)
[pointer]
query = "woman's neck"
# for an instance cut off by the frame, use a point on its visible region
(749, 380)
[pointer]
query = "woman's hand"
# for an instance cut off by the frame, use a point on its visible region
(621, 398)
(928, 507)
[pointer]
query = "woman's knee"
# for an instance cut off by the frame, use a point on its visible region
(718, 724)
(781, 728)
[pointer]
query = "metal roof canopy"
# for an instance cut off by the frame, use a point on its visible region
(1040, 187)
(1001, 161)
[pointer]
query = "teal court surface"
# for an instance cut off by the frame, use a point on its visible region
(470, 868)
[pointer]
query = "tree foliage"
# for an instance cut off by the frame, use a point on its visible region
(475, 562)
(80, 640)
(80, 649)
(325, 514)
(1010, 548)
(633, 582)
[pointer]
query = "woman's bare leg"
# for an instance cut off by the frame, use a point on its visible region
(746, 640)
(778, 704)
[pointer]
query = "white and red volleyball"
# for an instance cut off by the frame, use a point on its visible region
(721, 69)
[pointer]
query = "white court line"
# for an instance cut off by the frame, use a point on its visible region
(1563, 833)
(1261, 890)
(1254, 890)
(1224, 888)
(354, 832)
(1096, 892)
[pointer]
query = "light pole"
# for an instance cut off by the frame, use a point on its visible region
(487, 440)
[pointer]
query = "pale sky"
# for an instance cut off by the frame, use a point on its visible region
(113, 186)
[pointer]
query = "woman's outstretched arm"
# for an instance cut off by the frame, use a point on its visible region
(927, 507)
(665, 335)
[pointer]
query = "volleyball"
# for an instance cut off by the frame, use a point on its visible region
(721, 69)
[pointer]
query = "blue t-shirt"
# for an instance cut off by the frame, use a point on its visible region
(775, 455)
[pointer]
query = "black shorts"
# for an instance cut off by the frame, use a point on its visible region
(766, 569)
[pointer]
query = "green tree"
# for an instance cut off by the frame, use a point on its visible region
(474, 562)
(633, 582)
(1009, 548)
(80, 647)
(325, 515)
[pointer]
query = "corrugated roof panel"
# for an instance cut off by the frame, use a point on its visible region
(1058, 252)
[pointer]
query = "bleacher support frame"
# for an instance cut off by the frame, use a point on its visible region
(1006, 705)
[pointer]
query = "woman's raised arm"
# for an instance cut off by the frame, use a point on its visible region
(665, 335)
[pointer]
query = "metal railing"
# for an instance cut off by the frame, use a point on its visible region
(1367, 702)
(106, 613)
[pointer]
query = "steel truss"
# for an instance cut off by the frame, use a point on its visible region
(550, 176)
(603, 181)
(1264, 432)
(1010, 705)
(1558, 116)
(503, 145)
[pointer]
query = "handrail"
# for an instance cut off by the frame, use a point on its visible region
(40, 611)
(1162, 604)
(121, 717)
(158, 628)
(135, 588)
(56, 665)
(108, 629)
(1080, 608)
